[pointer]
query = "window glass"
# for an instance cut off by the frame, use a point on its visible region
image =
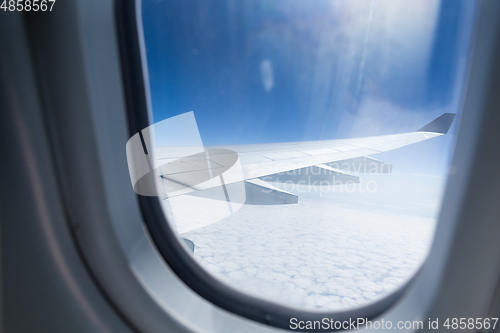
(290, 145)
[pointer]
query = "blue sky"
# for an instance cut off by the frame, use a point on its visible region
(256, 71)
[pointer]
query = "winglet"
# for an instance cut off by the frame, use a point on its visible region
(439, 125)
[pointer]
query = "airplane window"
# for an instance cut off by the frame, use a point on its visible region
(300, 148)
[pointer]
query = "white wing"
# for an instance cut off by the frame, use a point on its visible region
(314, 161)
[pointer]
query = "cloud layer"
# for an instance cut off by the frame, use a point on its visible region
(336, 251)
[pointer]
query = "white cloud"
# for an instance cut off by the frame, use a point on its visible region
(338, 251)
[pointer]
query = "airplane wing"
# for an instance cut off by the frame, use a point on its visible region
(327, 162)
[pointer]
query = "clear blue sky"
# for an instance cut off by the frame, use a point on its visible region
(256, 71)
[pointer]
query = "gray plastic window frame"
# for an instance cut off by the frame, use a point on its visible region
(116, 246)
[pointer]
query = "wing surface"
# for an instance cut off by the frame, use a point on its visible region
(187, 175)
